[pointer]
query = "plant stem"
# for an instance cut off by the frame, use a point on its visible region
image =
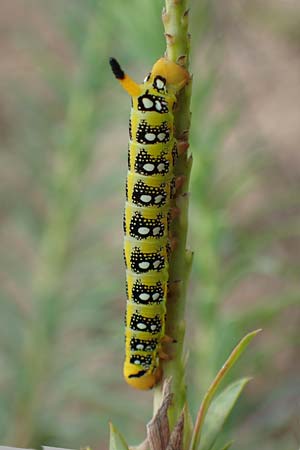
(175, 19)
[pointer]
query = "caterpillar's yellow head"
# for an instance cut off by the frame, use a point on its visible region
(165, 75)
(173, 75)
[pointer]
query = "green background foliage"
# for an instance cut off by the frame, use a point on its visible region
(63, 130)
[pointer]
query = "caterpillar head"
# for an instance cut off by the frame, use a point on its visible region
(167, 73)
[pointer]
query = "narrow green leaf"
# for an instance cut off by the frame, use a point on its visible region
(218, 412)
(188, 426)
(227, 446)
(233, 357)
(116, 441)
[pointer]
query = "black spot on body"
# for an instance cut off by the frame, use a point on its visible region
(128, 157)
(151, 325)
(144, 262)
(160, 164)
(144, 195)
(144, 361)
(145, 345)
(130, 130)
(158, 134)
(138, 375)
(124, 223)
(155, 226)
(159, 83)
(155, 292)
(155, 103)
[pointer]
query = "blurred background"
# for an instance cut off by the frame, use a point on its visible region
(63, 130)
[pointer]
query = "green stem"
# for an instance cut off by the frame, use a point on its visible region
(175, 19)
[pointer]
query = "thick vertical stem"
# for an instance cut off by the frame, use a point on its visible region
(175, 19)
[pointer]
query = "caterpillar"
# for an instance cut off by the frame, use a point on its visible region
(149, 193)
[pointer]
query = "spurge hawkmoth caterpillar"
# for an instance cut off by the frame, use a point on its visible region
(149, 190)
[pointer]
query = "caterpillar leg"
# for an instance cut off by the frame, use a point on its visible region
(173, 243)
(179, 182)
(174, 212)
(182, 146)
(168, 340)
(163, 355)
(174, 288)
(158, 375)
(166, 355)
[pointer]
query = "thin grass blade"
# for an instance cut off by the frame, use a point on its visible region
(234, 356)
(219, 411)
(116, 440)
(227, 446)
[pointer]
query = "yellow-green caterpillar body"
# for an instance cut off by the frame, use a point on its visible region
(149, 190)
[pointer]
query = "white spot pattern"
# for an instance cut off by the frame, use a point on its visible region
(158, 106)
(147, 103)
(144, 265)
(160, 84)
(150, 137)
(156, 264)
(146, 198)
(161, 136)
(156, 231)
(148, 167)
(143, 230)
